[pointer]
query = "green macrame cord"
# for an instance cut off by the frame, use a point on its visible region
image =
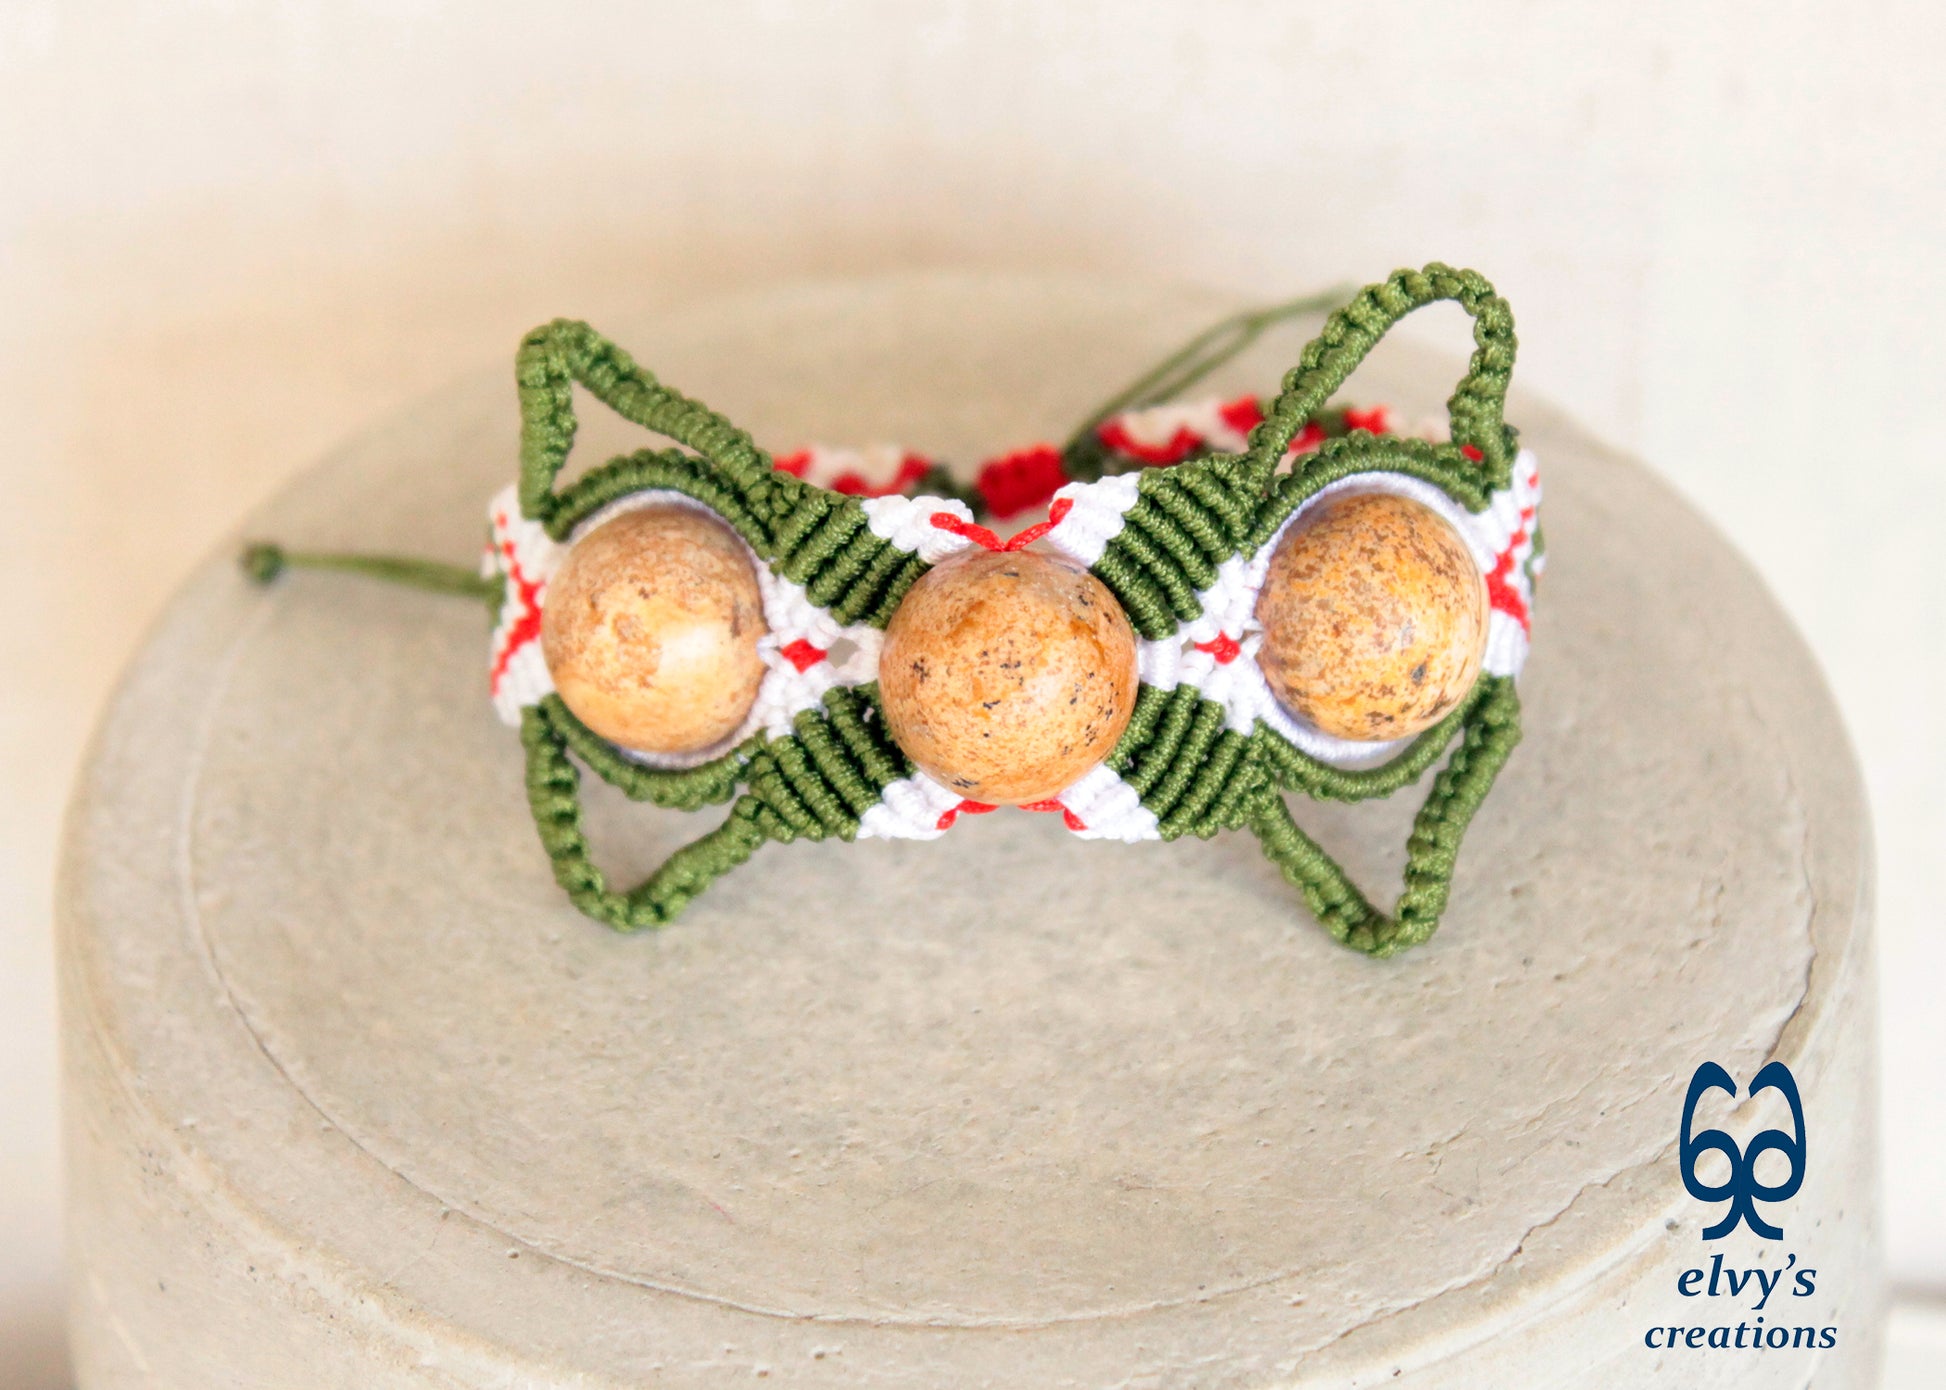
(813, 785)
(264, 563)
(1194, 516)
(1192, 771)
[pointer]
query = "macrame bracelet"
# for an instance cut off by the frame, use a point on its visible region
(836, 643)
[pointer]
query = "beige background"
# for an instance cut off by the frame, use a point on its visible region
(230, 233)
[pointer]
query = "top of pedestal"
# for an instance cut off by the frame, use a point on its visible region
(1123, 1096)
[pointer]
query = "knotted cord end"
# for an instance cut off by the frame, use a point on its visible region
(262, 561)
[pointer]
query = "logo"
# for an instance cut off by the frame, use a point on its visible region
(1741, 1188)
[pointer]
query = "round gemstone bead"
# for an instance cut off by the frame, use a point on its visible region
(1374, 616)
(1007, 675)
(650, 629)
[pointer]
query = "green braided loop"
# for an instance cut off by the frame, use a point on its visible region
(554, 795)
(810, 536)
(1477, 403)
(1194, 516)
(813, 785)
(1200, 778)
(1492, 728)
(553, 359)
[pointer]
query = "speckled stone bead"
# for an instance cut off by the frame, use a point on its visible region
(1375, 617)
(1007, 675)
(650, 629)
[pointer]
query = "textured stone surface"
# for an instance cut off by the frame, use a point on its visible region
(650, 630)
(356, 1099)
(1008, 675)
(1374, 617)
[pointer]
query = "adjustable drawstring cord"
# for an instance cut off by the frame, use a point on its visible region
(263, 562)
(1200, 356)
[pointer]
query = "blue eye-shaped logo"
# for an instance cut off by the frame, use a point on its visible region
(1741, 1188)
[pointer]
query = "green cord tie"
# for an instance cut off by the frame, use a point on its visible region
(264, 562)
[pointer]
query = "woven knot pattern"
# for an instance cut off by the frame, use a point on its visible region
(1172, 506)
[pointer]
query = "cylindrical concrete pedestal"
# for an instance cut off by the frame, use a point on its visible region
(355, 1099)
